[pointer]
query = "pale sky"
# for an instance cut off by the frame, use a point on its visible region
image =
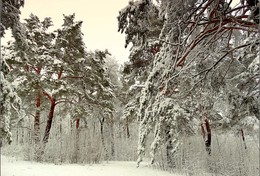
(98, 16)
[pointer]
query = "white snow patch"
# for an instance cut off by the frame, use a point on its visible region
(14, 167)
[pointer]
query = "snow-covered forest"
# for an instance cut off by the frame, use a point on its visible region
(186, 102)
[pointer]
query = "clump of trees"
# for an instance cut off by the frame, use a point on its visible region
(56, 69)
(203, 58)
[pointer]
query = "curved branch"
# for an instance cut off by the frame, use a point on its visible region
(52, 100)
(220, 59)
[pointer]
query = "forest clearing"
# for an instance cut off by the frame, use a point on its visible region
(12, 167)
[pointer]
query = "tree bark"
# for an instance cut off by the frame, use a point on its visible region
(206, 132)
(36, 134)
(102, 136)
(112, 135)
(77, 141)
(61, 143)
(169, 147)
(49, 122)
(127, 127)
(243, 138)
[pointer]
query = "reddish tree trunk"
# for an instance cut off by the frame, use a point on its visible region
(77, 123)
(49, 121)
(51, 113)
(206, 132)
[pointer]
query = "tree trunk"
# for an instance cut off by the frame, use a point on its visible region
(36, 134)
(112, 135)
(206, 132)
(169, 147)
(17, 135)
(102, 136)
(127, 127)
(77, 141)
(94, 130)
(61, 143)
(243, 138)
(49, 122)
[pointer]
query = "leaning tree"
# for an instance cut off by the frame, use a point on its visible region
(201, 42)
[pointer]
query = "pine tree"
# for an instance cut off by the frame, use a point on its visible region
(10, 15)
(30, 65)
(141, 25)
(9, 18)
(68, 52)
(10, 100)
(184, 76)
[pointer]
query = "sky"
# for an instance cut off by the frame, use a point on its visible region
(99, 21)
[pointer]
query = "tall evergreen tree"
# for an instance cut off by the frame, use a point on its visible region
(31, 65)
(172, 96)
(9, 18)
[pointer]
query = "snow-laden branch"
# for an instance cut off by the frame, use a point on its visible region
(207, 70)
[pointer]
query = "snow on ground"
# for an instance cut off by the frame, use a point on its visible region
(13, 167)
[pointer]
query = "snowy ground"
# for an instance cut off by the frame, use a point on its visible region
(14, 167)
